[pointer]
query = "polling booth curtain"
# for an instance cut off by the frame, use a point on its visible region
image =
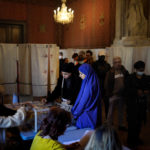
(8, 67)
(45, 68)
(53, 70)
(24, 61)
(39, 67)
(33, 66)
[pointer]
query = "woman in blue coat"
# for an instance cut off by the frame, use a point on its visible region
(87, 108)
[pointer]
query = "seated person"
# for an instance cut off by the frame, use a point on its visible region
(53, 126)
(67, 87)
(12, 118)
(4, 111)
(105, 138)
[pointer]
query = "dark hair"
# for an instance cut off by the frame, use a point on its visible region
(91, 53)
(104, 138)
(74, 55)
(55, 123)
(68, 67)
(61, 53)
(139, 64)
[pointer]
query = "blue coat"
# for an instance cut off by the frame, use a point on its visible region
(87, 108)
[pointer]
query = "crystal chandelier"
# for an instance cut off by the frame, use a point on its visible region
(62, 15)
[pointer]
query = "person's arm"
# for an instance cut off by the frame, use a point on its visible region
(57, 91)
(85, 139)
(73, 146)
(15, 120)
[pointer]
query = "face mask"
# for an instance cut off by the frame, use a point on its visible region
(60, 57)
(140, 73)
(75, 62)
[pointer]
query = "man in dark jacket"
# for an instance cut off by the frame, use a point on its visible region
(67, 87)
(114, 89)
(101, 67)
(137, 89)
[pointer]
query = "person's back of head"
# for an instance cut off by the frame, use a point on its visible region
(66, 60)
(104, 138)
(89, 52)
(74, 56)
(55, 123)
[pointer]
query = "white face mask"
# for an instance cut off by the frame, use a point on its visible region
(140, 73)
(60, 57)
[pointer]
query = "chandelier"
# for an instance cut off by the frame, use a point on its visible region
(62, 15)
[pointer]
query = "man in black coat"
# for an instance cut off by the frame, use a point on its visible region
(101, 67)
(137, 89)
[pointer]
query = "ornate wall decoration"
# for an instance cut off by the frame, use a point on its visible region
(82, 22)
(101, 20)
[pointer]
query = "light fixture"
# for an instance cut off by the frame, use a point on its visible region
(62, 15)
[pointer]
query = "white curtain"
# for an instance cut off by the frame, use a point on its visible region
(44, 56)
(8, 67)
(130, 55)
(54, 66)
(125, 54)
(24, 58)
(33, 68)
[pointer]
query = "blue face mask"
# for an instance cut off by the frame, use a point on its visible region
(140, 73)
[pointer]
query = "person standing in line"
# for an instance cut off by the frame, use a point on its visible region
(87, 108)
(137, 90)
(89, 57)
(101, 67)
(114, 90)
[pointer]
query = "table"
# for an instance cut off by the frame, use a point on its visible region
(38, 108)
